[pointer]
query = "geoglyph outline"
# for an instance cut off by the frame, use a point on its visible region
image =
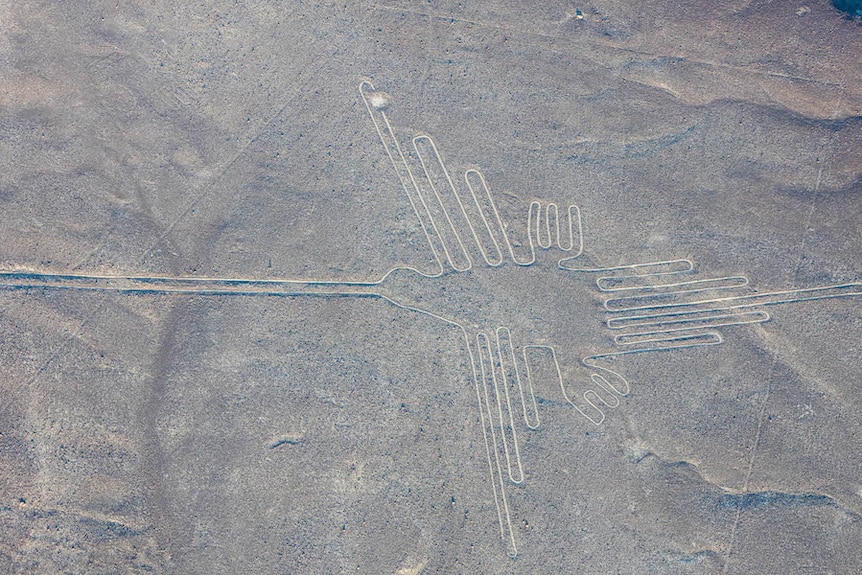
(649, 306)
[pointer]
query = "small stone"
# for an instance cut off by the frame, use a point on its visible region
(379, 100)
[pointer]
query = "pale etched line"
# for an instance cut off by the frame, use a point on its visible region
(731, 281)
(487, 421)
(670, 317)
(507, 428)
(188, 285)
(665, 315)
(533, 215)
(662, 334)
(60, 350)
(488, 214)
(252, 138)
(760, 418)
(551, 214)
(507, 532)
(390, 143)
(429, 177)
(606, 379)
(491, 259)
(638, 322)
(503, 512)
(674, 309)
(665, 267)
(487, 197)
(560, 382)
(750, 470)
(575, 218)
(509, 421)
(475, 211)
(761, 299)
(612, 381)
(552, 235)
(690, 335)
(248, 286)
(525, 350)
(602, 379)
(507, 353)
(683, 341)
(592, 397)
(657, 294)
(649, 340)
(203, 292)
(450, 186)
(408, 183)
(57, 352)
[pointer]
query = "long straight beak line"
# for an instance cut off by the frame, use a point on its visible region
(189, 285)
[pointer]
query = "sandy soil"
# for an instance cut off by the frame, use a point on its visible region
(478, 409)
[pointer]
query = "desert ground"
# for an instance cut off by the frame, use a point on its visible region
(403, 287)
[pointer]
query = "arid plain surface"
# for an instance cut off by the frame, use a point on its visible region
(216, 429)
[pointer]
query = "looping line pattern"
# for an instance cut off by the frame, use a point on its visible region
(650, 307)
